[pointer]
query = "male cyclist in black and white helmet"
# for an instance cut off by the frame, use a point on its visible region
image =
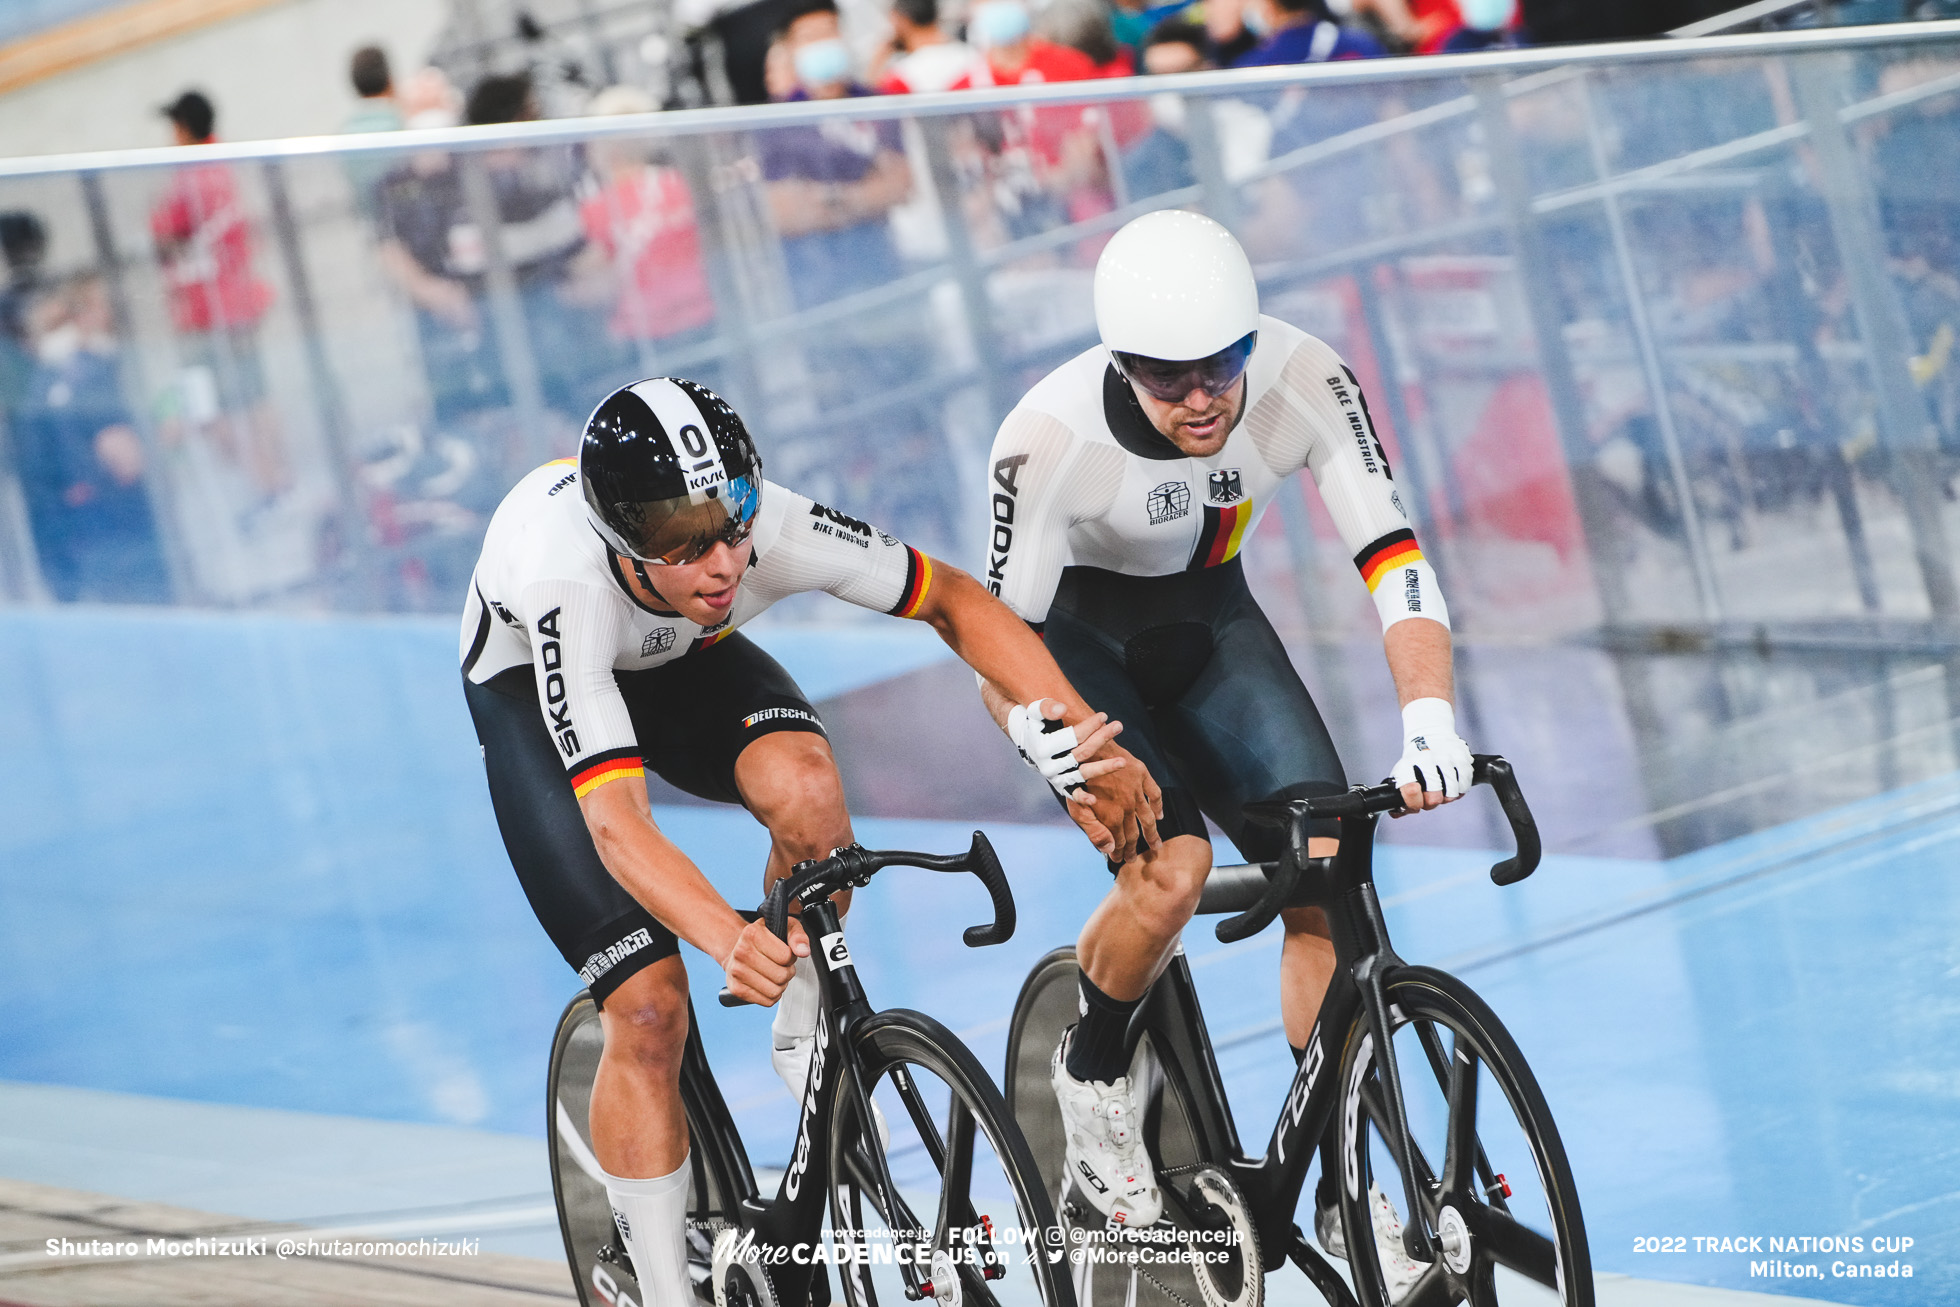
(1126, 482)
(599, 638)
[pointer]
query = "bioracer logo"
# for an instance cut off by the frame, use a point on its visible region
(1167, 502)
(1007, 475)
(551, 658)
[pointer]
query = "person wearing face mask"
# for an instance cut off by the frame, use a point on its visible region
(1015, 55)
(1301, 32)
(1161, 160)
(1486, 25)
(832, 185)
(1051, 153)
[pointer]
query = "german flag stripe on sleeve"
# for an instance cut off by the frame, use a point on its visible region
(918, 580)
(704, 641)
(1396, 549)
(1222, 534)
(613, 766)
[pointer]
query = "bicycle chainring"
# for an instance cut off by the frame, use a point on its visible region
(1239, 1281)
(1107, 1281)
(739, 1277)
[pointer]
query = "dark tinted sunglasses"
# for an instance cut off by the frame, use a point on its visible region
(739, 499)
(1172, 379)
(733, 532)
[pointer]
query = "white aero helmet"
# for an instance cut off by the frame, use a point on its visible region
(1174, 285)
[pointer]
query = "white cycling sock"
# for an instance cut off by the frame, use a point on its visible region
(652, 1215)
(796, 1010)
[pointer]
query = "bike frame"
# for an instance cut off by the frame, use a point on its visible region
(1364, 959)
(796, 1214)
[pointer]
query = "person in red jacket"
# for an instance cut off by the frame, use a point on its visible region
(1015, 55)
(204, 246)
(1049, 155)
(642, 254)
(924, 57)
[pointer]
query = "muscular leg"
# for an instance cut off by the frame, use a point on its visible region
(1306, 960)
(1129, 936)
(638, 1128)
(789, 781)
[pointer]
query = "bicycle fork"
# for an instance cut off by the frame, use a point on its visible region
(954, 1157)
(1375, 959)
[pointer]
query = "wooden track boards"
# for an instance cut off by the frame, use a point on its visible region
(31, 1214)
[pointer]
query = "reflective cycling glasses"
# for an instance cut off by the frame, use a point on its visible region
(1172, 379)
(695, 529)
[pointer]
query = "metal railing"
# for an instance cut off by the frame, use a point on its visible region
(1640, 318)
(1781, 15)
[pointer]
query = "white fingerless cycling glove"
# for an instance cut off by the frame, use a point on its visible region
(1046, 745)
(1433, 755)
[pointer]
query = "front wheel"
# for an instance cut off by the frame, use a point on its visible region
(958, 1198)
(602, 1272)
(1492, 1187)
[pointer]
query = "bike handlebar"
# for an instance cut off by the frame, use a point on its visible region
(853, 867)
(1487, 769)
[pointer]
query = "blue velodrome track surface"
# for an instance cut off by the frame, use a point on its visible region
(249, 862)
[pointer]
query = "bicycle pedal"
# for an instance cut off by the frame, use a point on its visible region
(613, 1255)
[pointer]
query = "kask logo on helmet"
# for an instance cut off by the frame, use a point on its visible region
(706, 472)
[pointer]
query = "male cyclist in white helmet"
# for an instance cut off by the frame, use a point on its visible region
(1122, 487)
(599, 639)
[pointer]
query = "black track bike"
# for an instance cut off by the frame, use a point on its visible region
(949, 1208)
(1427, 1101)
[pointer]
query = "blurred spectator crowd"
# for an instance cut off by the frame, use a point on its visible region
(531, 279)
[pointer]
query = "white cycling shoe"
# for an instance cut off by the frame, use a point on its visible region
(1106, 1160)
(1399, 1270)
(793, 1040)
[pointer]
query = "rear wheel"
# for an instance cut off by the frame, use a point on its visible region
(1492, 1187)
(964, 1203)
(1207, 1226)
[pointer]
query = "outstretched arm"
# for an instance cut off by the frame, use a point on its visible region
(1016, 668)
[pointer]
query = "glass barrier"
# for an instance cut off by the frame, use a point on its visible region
(1661, 342)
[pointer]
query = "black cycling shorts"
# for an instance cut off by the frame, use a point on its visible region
(692, 718)
(1208, 698)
